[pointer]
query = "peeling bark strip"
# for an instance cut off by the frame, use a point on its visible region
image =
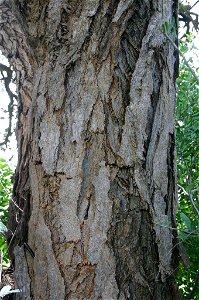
(96, 173)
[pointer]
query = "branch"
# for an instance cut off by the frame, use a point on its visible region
(195, 190)
(194, 4)
(7, 80)
(193, 204)
(190, 196)
(183, 189)
(184, 58)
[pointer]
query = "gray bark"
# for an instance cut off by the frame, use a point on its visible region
(96, 174)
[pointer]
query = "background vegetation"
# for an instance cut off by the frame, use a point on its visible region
(187, 132)
(5, 196)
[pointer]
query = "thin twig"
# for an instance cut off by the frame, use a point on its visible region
(16, 205)
(193, 232)
(194, 4)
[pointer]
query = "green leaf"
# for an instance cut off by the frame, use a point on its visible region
(186, 220)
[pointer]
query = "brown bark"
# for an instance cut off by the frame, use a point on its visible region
(96, 172)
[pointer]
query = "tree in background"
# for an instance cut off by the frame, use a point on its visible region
(96, 178)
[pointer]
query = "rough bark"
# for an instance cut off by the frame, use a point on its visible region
(96, 173)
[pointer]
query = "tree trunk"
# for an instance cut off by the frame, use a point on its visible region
(96, 174)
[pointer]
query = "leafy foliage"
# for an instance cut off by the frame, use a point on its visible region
(188, 175)
(5, 195)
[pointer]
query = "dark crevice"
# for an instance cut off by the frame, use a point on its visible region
(87, 171)
(131, 237)
(55, 242)
(171, 193)
(128, 53)
(87, 209)
(155, 97)
(166, 203)
(98, 25)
